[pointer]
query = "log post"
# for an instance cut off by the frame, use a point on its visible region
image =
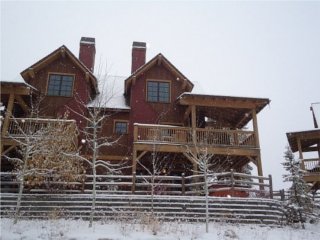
(183, 186)
(133, 187)
(232, 182)
(270, 186)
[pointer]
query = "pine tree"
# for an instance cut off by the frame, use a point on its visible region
(299, 202)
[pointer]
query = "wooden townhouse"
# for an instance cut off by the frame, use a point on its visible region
(151, 112)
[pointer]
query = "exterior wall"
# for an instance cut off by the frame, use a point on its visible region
(143, 111)
(120, 148)
(56, 106)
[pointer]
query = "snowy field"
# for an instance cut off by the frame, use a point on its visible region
(78, 230)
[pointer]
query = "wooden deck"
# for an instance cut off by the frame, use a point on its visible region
(19, 129)
(177, 139)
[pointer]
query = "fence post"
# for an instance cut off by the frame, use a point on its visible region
(232, 182)
(183, 187)
(270, 186)
(133, 186)
(282, 196)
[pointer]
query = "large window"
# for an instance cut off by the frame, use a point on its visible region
(60, 85)
(158, 91)
(121, 127)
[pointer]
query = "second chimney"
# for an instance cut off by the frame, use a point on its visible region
(138, 55)
(87, 52)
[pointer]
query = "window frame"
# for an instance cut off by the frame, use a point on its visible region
(122, 122)
(60, 85)
(158, 88)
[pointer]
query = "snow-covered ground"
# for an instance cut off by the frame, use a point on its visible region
(78, 230)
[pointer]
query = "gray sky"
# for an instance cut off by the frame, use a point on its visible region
(251, 48)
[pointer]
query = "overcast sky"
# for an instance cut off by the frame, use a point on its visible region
(251, 48)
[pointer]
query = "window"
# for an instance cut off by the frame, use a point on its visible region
(60, 85)
(121, 127)
(158, 91)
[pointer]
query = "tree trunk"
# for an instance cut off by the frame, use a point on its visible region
(21, 186)
(94, 158)
(207, 196)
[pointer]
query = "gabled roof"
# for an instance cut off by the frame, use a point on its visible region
(158, 60)
(62, 51)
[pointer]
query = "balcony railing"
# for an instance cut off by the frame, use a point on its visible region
(312, 166)
(145, 133)
(20, 127)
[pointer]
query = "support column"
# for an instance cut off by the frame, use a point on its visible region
(8, 115)
(300, 154)
(257, 141)
(134, 169)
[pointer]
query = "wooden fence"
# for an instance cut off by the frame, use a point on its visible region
(227, 184)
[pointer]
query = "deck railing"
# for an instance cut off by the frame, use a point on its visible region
(183, 135)
(311, 165)
(20, 127)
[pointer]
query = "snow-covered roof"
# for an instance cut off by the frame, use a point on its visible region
(111, 93)
(17, 80)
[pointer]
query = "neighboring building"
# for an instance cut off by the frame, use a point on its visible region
(152, 111)
(307, 144)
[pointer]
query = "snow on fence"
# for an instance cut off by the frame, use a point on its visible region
(226, 184)
(138, 207)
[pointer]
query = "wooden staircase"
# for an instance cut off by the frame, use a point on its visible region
(166, 208)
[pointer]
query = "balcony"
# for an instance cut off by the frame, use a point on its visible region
(22, 127)
(172, 137)
(312, 167)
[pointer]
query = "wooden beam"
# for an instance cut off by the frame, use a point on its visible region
(3, 153)
(256, 137)
(87, 76)
(8, 115)
(218, 102)
(159, 61)
(134, 80)
(141, 155)
(300, 153)
(134, 169)
(211, 149)
(63, 52)
(17, 90)
(193, 117)
(22, 103)
(109, 157)
(187, 113)
(31, 72)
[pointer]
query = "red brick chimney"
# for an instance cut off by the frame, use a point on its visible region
(87, 52)
(138, 55)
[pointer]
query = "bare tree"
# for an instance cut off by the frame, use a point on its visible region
(41, 147)
(157, 166)
(201, 157)
(95, 114)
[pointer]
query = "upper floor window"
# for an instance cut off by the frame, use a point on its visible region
(60, 85)
(121, 127)
(158, 91)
